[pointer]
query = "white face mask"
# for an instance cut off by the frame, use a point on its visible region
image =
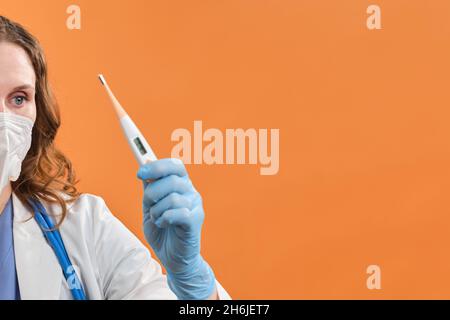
(15, 141)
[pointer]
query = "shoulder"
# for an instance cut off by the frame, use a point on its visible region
(86, 201)
(88, 219)
(86, 210)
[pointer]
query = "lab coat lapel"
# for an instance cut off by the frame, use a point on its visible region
(38, 270)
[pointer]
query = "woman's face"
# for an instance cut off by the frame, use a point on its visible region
(17, 81)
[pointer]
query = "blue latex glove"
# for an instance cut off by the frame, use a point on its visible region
(173, 218)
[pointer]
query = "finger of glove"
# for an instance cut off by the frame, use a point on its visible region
(165, 186)
(158, 169)
(172, 201)
(175, 217)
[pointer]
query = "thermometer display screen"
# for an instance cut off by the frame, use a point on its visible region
(140, 146)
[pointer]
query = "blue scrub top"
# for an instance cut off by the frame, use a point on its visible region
(9, 286)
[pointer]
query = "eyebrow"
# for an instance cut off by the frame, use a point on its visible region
(24, 87)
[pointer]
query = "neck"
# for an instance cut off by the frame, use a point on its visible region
(4, 196)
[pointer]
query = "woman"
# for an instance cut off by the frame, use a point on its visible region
(108, 261)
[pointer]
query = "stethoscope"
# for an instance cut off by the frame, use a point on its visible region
(55, 241)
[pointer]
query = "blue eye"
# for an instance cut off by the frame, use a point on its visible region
(19, 100)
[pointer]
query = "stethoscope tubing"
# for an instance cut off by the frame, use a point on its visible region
(54, 239)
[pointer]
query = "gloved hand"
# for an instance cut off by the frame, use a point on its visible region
(173, 218)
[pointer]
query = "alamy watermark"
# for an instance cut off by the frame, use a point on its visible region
(234, 146)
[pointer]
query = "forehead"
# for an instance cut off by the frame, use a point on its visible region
(15, 66)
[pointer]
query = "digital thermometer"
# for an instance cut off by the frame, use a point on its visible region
(140, 147)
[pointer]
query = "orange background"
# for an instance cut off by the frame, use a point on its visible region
(363, 118)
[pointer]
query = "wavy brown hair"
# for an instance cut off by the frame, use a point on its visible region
(47, 174)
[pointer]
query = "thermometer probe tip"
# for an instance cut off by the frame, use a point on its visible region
(102, 79)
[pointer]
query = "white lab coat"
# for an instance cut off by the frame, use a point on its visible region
(109, 259)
